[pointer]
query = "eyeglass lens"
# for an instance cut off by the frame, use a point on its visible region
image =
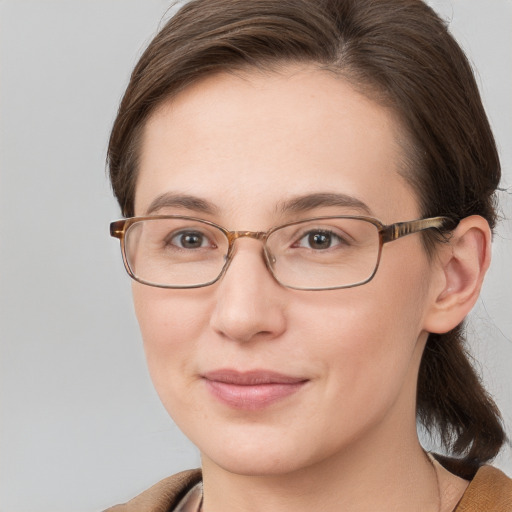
(311, 254)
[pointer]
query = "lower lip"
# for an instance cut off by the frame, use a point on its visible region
(252, 397)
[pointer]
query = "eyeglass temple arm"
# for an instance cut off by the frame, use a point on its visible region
(400, 229)
(117, 228)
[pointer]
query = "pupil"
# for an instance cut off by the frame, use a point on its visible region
(191, 240)
(319, 240)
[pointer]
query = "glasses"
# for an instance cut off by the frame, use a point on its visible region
(321, 253)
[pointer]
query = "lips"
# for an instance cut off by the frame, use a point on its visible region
(253, 390)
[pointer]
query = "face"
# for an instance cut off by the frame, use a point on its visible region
(265, 379)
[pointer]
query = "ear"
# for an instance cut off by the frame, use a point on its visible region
(460, 267)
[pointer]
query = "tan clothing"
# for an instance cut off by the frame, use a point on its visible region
(163, 496)
(489, 491)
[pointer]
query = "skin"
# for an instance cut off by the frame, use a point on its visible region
(346, 440)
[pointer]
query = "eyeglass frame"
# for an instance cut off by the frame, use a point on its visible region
(387, 233)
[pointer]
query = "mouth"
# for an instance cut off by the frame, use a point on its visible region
(252, 390)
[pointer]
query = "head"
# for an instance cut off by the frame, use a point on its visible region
(394, 65)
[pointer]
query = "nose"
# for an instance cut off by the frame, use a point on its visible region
(250, 303)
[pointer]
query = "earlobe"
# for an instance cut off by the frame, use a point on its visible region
(461, 267)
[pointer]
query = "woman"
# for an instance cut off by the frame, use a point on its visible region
(308, 189)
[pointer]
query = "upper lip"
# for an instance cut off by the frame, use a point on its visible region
(251, 377)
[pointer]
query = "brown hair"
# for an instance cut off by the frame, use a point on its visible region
(400, 53)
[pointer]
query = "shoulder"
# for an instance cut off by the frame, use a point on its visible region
(489, 490)
(162, 496)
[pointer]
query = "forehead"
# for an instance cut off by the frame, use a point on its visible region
(249, 142)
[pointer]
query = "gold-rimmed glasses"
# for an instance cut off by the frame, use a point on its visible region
(320, 253)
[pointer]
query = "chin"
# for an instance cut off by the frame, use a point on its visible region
(260, 451)
(256, 464)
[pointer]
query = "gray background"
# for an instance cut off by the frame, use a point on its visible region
(81, 427)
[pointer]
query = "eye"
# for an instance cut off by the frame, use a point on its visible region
(319, 240)
(189, 240)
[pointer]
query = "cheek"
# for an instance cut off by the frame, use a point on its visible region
(368, 336)
(362, 341)
(171, 323)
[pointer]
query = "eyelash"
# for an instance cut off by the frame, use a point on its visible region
(169, 240)
(334, 238)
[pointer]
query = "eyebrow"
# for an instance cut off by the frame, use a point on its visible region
(184, 201)
(298, 204)
(322, 199)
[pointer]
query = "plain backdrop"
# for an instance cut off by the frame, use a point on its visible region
(81, 427)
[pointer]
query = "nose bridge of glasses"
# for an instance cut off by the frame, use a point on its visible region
(235, 235)
(255, 235)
